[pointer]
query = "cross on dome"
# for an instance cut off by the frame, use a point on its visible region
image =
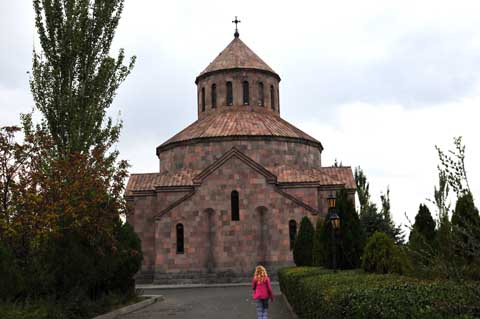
(236, 21)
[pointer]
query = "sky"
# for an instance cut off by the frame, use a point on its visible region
(379, 83)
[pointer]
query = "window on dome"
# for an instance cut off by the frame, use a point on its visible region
(229, 93)
(261, 99)
(203, 99)
(235, 205)
(246, 93)
(180, 241)
(272, 97)
(292, 231)
(214, 96)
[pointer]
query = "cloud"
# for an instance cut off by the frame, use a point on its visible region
(394, 145)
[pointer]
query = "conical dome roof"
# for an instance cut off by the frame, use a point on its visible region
(237, 55)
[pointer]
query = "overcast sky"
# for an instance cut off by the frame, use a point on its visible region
(379, 83)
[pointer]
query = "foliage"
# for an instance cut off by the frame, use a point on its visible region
(455, 253)
(371, 219)
(453, 166)
(302, 249)
(74, 79)
(319, 293)
(10, 276)
(382, 256)
(350, 240)
(319, 250)
(424, 224)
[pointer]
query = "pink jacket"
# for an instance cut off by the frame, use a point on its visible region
(262, 290)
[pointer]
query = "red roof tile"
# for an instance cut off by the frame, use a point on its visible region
(236, 55)
(239, 123)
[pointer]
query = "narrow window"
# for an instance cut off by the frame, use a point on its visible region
(235, 208)
(203, 99)
(214, 96)
(261, 99)
(246, 94)
(180, 243)
(229, 93)
(292, 231)
(272, 97)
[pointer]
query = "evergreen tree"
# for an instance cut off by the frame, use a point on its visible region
(424, 224)
(74, 79)
(363, 190)
(389, 227)
(319, 252)
(303, 247)
(350, 238)
(465, 214)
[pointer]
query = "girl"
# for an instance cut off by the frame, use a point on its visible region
(262, 291)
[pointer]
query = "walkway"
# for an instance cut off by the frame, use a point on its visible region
(208, 303)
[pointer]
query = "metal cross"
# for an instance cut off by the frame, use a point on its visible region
(236, 21)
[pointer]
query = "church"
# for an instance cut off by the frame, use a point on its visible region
(233, 186)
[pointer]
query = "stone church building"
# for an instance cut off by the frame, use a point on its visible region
(233, 186)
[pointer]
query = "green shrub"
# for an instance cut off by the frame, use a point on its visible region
(302, 249)
(319, 250)
(11, 281)
(319, 293)
(381, 256)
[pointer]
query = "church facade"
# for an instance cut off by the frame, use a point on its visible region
(232, 186)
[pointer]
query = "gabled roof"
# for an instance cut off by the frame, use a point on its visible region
(237, 55)
(239, 123)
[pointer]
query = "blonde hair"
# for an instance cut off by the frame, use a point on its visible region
(260, 274)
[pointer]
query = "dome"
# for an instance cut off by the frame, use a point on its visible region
(237, 55)
(235, 123)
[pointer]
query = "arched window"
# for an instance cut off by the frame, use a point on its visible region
(229, 93)
(246, 93)
(235, 207)
(261, 99)
(214, 96)
(292, 231)
(180, 242)
(203, 99)
(272, 97)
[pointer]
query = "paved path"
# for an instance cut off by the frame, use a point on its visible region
(208, 303)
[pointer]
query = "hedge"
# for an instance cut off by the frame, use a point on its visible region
(320, 293)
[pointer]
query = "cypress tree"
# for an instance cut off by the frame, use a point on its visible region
(424, 224)
(319, 244)
(302, 250)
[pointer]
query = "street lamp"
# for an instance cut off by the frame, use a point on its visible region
(334, 220)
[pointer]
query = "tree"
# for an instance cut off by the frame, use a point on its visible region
(74, 79)
(319, 250)
(424, 224)
(302, 249)
(383, 256)
(389, 227)
(363, 190)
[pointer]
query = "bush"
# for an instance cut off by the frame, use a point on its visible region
(382, 256)
(319, 293)
(11, 281)
(319, 250)
(302, 249)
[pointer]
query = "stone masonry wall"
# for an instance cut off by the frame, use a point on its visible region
(215, 243)
(268, 153)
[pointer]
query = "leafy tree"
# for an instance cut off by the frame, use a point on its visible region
(302, 249)
(424, 224)
(453, 166)
(74, 79)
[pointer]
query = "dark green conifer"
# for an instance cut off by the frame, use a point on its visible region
(302, 250)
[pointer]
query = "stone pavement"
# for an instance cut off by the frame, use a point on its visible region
(208, 303)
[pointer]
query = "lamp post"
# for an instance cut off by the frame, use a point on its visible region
(334, 220)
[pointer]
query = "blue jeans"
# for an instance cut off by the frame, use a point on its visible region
(262, 308)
